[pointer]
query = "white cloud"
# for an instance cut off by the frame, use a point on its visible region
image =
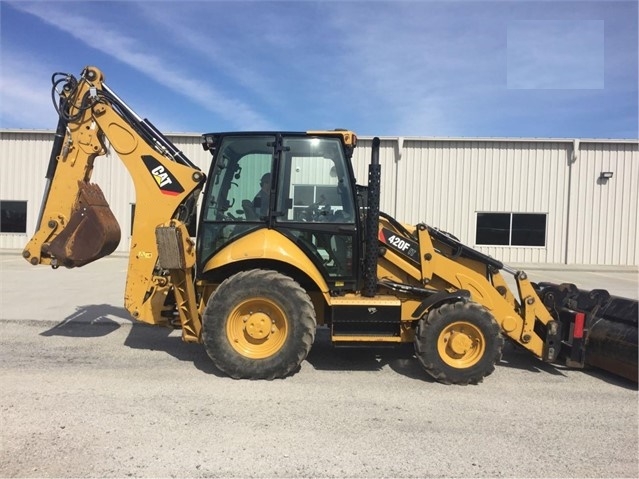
(228, 57)
(25, 92)
(413, 71)
(389, 68)
(127, 50)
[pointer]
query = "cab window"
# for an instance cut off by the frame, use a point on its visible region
(233, 204)
(314, 184)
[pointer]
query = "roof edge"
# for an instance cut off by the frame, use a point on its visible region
(403, 138)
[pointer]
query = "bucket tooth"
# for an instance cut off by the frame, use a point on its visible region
(91, 233)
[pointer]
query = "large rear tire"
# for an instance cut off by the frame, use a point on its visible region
(258, 324)
(458, 343)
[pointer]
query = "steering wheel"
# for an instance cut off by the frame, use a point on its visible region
(317, 213)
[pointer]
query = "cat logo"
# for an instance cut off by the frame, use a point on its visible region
(167, 183)
(161, 176)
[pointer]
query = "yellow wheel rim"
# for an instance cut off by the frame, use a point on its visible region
(461, 345)
(257, 328)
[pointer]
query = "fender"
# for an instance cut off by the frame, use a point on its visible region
(271, 245)
(441, 298)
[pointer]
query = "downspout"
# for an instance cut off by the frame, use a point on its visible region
(571, 160)
(398, 157)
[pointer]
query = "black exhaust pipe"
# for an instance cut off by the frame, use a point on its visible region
(372, 223)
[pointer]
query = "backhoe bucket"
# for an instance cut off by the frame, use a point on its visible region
(91, 233)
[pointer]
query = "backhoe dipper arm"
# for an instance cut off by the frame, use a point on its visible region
(76, 225)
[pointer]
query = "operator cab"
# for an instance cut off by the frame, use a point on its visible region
(299, 184)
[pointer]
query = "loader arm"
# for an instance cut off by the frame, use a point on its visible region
(438, 262)
(520, 316)
(77, 227)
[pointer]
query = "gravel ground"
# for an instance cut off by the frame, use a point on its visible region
(87, 393)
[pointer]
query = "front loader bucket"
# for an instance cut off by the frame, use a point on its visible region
(612, 341)
(91, 232)
(605, 336)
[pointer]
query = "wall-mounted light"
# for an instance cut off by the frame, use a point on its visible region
(605, 175)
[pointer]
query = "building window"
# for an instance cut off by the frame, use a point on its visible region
(511, 229)
(13, 216)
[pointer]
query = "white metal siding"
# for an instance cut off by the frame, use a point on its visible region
(520, 178)
(442, 182)
(23, 164)
(387, 158)
(604, 214)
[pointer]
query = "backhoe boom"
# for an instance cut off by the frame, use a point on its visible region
(76, 225)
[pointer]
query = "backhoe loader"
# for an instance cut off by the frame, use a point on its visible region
(312, 249)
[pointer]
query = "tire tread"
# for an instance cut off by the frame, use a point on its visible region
(229, 361)
(426, 343)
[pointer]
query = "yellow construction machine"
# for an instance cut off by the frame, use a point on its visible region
(287, 241)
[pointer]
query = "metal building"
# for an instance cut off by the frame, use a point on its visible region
(551, 201)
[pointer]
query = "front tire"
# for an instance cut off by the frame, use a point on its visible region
(458, 343)
(258, 324)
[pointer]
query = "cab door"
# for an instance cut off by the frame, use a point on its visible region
(234, 200)
(315, 206)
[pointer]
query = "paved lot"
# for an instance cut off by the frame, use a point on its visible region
(85, 392)
(618, 281)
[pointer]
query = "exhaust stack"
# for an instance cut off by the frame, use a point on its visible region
(372, 223)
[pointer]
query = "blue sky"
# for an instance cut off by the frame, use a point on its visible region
(388, 68)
